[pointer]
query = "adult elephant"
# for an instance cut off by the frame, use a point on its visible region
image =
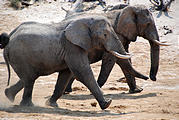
(37, 49)
(128, 23)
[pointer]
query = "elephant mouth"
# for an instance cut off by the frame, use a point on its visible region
(127, 56)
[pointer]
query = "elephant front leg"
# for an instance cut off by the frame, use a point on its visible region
(130, 80)
(108, 62)
(133, 88)
(79, 65)
(69, 86)
(63, 78)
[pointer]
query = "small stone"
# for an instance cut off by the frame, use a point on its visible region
(93, 104)
(67, 103)
(82, 104)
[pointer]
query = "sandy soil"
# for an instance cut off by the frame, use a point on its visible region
(158, 101)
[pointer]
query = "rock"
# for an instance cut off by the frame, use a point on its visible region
(93, 104)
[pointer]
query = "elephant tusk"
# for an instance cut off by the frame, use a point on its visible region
(64, 9)
(128, 56)
(128, 53)
(161, 43)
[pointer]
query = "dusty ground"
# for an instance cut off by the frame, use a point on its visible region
(158, 101)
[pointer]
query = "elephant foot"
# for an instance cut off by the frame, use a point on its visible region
(26, 103)
(68, 90)
(105, 104)
(136, 90)
(153, 77)
(51, 103)
(9, 94)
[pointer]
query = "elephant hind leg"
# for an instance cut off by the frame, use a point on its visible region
(13, 90)
(69, 86)
(28, 88)
(62, 81)
(27, 77)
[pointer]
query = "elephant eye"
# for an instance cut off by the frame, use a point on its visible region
(147, 13)
(105, 35)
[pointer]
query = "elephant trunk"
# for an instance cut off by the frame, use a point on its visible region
(152, 36)
(126, 66)
(154, 54)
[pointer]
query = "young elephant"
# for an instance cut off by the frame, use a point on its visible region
(128, 23)
(37, 49)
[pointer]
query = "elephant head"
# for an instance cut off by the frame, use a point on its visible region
(138, 21)
(95, 32)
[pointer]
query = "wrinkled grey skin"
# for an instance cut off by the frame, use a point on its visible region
(129, 23)
(37, 49)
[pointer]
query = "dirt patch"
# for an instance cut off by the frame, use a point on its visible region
(119, 88)
(78, 89)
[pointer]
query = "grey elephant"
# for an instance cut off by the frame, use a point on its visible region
(128, 23)
(37, 49)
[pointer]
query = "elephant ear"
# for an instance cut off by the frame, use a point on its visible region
(126, 24)
(78, 33)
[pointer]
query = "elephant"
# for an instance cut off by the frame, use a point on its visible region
(37, 49)
(128, 23)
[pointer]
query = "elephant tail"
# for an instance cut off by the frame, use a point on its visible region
(4, 40)
(6, 58)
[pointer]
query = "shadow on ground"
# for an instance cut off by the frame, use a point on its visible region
(113, 96)
(60, 111)
(76, 113)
